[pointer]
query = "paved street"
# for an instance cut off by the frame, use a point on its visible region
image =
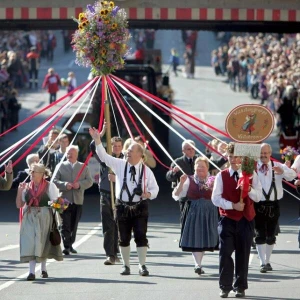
(83, 276)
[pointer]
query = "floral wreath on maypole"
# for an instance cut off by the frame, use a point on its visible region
(100, 42)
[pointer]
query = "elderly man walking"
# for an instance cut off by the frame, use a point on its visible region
(73, 190)
(135, 183)
(267, 210)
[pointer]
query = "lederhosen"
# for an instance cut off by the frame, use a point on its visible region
(131, 215)
(267, 215)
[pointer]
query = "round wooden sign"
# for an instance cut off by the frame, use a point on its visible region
(249, 123)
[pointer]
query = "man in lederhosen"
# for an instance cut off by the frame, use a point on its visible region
(267, 210)
(135, 183)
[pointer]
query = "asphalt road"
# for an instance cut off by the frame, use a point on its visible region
(83, 276)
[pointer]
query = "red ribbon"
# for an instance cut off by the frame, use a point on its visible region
(245, 181)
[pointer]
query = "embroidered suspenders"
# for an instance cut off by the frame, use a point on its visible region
(273, 186)
(125, 187)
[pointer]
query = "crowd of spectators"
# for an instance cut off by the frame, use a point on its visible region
(15, 66)
(267, 66)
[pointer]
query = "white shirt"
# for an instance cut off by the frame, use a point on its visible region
(296, 164)
(117, 165)
(266, 180)
(217, 199)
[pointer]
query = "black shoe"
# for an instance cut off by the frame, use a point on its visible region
(263, 269)
(224, 294)
(143, 271)
(44, 274)
(66, 252)
(30, 277)
(269, 267)
(198, 270)
(110, 260)
(240, 294)
(125, 271)
(72, 250)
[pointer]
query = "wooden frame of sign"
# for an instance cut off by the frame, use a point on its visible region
(248, 125)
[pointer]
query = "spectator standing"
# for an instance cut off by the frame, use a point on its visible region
(72, 82)
(174, 60)
(51, 45)
(13, 108)
(52, 82)
(33, 59)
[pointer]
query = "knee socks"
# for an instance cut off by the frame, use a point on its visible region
(125, 253)
(269, 249)
(142, 253)
(261, 250)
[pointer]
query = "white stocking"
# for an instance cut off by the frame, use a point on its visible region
(198, 258)
(43, 265)
(32, 264)
(269, 250)
(125, 253)
(142, 253)
(261, 250)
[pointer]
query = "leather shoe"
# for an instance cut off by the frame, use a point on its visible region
(198, 270)
(117, 259)
(125, 270)
(66, 252)
(30, 277)
(240, 294)
(44, 274)
(143, 271)
(263, 269)
(72, 250)
(110, 260)
(269, 267)
(224, 294)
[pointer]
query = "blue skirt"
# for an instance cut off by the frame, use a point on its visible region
(199, 232)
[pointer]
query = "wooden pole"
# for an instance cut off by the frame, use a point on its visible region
(108, 136)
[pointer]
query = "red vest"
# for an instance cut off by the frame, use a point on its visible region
(232, 194)
(194, 193)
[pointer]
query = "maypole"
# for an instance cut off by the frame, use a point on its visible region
(108, 136)
(100, 42)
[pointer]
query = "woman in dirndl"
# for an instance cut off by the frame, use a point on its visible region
(35, 245)
(200, 217)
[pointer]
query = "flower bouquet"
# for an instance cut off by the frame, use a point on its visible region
(100, 42)
(289, 153)
(60, 204)
(248, 166)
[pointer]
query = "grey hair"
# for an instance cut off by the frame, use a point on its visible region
(75, 147)
(187, 142)
(30, 158)
(266, 144)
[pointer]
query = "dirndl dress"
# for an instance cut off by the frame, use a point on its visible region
(200, 224)
(35, 234)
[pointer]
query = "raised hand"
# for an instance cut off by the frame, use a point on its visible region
(183, 178)
(8, 167)
(95, 134)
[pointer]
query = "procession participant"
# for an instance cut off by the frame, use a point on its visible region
(236, 225)
(35, 245)
(199, 232)
(25, 175)
(6, 182)
(109, 226)
(267, 210)
(66, 174)
(64, 142)
(47, 152)
(186, 163)
(149, 160)
(135, 183)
